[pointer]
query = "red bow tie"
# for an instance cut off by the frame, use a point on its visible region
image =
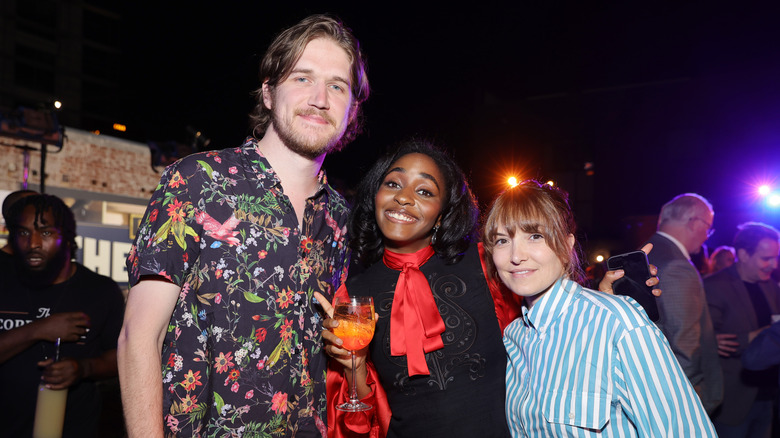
(415, 323)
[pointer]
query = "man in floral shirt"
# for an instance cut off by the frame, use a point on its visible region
(232, 247)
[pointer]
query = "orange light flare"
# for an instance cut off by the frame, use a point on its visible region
(503, 172)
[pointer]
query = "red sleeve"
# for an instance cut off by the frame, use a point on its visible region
(373, 423)
(508, 305)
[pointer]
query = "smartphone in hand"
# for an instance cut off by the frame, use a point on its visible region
(632, 284)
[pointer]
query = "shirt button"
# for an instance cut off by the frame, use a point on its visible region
(571, 415)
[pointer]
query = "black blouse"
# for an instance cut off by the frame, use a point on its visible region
(464, 394)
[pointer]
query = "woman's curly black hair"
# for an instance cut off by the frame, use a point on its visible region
(459, 213)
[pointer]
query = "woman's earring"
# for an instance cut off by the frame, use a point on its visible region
(433, 237)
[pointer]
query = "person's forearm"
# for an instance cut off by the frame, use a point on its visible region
(752, 335)
(764, 351)
(141, 382)
(69, 326)
(360, 374)
(150, 304)
(101, 367)
(13, 342)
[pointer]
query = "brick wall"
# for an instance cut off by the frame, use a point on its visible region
(88, 162)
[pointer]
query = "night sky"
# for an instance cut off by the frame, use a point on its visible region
(678, 97)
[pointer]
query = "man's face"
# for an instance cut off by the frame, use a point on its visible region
(312, 107)
(759, 266)
(38, 246)
(700, 224)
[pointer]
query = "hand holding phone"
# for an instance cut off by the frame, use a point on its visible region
(633, 283)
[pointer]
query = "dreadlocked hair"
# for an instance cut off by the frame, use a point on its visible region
(63, 217)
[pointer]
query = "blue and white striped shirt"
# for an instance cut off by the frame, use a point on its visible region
(583, 363)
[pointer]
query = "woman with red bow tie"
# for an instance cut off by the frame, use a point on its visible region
(437, 352)
(436, 365)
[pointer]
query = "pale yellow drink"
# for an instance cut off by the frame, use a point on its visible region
(49, 412)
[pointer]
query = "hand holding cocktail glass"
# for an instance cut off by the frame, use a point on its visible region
(351, 323)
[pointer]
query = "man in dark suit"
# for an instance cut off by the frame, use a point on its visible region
(743, 301)
(684, 224)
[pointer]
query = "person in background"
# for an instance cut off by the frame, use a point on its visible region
(763, 353)
(230, 250)
(52, 297)
(580, 363)
(594, 273)
(743, 301)
(701, 260)
(684, 224)
(10, 200)
(722, 258)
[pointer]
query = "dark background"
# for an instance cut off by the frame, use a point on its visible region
(659, 100)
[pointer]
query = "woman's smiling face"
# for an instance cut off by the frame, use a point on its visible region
(525, 262)
(409, 203)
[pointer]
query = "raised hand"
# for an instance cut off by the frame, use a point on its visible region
(611, 276)
(332, 343)
(69, 327)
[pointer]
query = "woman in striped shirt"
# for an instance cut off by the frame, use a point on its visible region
(580, 363)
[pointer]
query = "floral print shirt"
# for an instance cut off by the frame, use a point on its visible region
(243, 354)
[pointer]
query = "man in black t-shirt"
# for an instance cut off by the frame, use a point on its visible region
(47, 296)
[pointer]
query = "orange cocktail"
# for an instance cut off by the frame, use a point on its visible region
(356, 319)
(356, 332)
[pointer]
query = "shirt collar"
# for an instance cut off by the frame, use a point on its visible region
(322, 179)
(262, 166)
(552, 304)
(676, 242)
